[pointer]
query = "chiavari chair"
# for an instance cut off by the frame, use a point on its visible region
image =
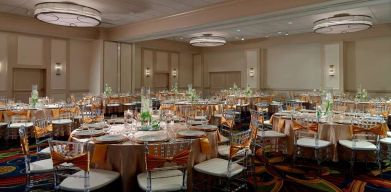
(167, 166)
(72, 172)
(36, 168)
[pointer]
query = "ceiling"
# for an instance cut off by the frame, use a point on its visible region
(117, 12)
(286, 22)
(289, 24)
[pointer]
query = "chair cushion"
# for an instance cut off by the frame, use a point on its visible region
(218, 167)
(40, 166)
(18, 125)
(98, 178)
(310, 142)
(386, 140)
(271, 133)
(388, 133)
(360, 145)
(224, 151)
(45, 151)
(168, 180)
(267, 122)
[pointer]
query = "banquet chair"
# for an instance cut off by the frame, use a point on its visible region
(43, 133)
(234, 167)
(62, 120)
(17, 117)
(365, 138)
(264, 135)
(306, 135)
(227, 124)
(166, 166)
(75, 156)
(35, 168)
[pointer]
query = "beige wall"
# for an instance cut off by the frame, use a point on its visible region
(368, 64)
(180, 56)
(43, 52)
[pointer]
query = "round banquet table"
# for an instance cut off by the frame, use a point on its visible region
(128, 158)
(331, 132)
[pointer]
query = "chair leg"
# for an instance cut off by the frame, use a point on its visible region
(352, 159)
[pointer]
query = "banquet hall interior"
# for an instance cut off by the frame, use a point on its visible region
(195, 95)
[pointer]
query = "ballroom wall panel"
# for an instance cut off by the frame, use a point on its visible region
(58, 55)
(30, 50)
(80, 63)
(126, 67)
(3, 62)
(368, 64)
(294, 66)
(110, 65)
(225, 62)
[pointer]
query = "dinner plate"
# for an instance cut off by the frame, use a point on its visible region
(110, 139)
(116, 121)
(205, 127)
(191, 133)
(193, 122)
(99, 125)
(151, 138)
(89, 133)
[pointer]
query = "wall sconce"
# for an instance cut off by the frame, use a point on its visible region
(58, 68)
(147, 72)
(174, 72)
(331, 70)
(251, 72)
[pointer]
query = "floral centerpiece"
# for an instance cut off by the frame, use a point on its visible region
(362, 94)
(174, 88)
(107, 90)
(327, 104)
(146, 107)
(235, 89)
(192, 95)
(248, 91)
(34, 96)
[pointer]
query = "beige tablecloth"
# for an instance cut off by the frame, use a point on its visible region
(128, 158)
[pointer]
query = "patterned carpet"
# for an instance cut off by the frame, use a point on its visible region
(276, 175)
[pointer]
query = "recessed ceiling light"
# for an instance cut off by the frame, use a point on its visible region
(279, 32)
(286, 34)
(290, 22)
(238, 30)
(242, 39)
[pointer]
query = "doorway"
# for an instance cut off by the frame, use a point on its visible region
(23, 79)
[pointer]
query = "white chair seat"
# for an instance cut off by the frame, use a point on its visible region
(310, 142)
(267, 122)
(386, 140)
(129, 104)
(18, 125)
(360, 145)
(44, 151)
(45, 165)
(223, 150)
(388, 133)
(62, 121)
(271, 134)
(169, 180)
(98, 179)
(113, 105)
(218, 167)
(219, 115)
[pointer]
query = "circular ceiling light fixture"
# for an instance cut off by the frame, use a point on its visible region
(342, 23)
(207, 40)
(67, 14)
